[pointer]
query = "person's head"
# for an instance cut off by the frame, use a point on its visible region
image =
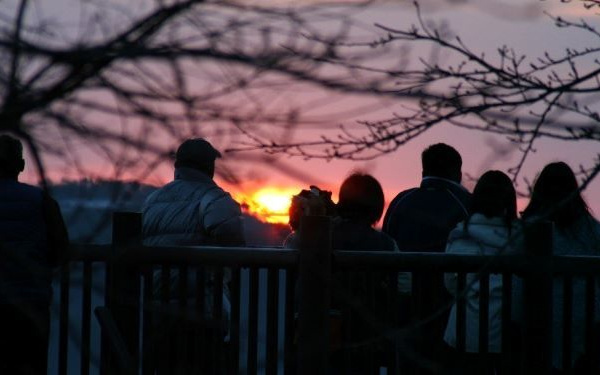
(494, 196)
(441, 160)
(302, 202)
(198, 154)
(361, 198)
(11, 157)
(556, 195)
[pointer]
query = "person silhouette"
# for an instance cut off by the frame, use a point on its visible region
(360, 309)
(192, 210)
(363, 299)
(33, 239)
(492, 228)
(420, 219)
(556, 197)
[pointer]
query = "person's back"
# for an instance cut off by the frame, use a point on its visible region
(359, 308)
(492, 229)
(576, 232)
(192, 210)
(420, 219)
(32, 238)
(363, 298)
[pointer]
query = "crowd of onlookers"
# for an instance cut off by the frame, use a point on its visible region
(438, 216)
(442, 216)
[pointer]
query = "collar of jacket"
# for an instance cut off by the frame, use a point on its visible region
(191, 174)
(432, 181)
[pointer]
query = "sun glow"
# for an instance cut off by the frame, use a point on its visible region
(268, 204)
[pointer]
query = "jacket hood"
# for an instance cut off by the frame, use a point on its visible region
(490, 232)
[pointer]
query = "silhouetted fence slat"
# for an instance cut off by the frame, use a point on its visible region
(461, 312)
(63, 338)
(86, 314)
(148, 334)
(507, 324)
(567, 322)
(235, 320)
(590, 309)
(484, 311)
(272, 345)
(252, 360)
(290, 326)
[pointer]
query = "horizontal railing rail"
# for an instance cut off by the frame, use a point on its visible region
(367, 260)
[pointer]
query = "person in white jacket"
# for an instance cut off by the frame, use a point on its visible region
(491, 229)
(191, 210)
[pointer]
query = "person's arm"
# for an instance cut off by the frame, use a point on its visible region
(223, 222)
(56, 230)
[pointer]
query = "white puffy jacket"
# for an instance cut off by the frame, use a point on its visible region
(192, 210)
(189, 211)
(484, 236)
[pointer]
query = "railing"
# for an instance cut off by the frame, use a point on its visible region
(264, 336)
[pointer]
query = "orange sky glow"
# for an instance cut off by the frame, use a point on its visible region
(270, 204)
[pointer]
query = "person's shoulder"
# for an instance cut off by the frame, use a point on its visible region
(401, 197)
(216, 199)
(591, 225)
(28, 188)
(388, 242)
(214, 192)
(458, 232)
(24, 191)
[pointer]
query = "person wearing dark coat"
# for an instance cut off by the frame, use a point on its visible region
(360, 314)
(362, 298)
(420, 220)
(556, 197)
(33, 238)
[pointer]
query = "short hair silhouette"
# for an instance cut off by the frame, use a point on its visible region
(11, 156)
(494, 196)
(361, 197)
(556, 195)
(441, 160)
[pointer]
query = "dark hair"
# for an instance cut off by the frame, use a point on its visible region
(556, 195)
(441, 160)
(361, 197)
(494, 196)
(11, 156)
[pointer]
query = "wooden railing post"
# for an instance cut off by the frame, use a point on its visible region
(537, 309)
(123, 292)
(314, 295)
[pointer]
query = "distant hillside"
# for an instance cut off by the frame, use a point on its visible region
(87, 207)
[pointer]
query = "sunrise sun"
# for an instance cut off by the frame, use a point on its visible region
(269, 204)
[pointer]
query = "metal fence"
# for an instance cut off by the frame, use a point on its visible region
(163, 309)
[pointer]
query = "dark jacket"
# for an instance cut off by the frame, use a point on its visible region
(362, 303)
(32, 236)
(421, 219)
(357, 297)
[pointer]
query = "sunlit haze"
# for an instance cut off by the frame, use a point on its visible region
(269, 204)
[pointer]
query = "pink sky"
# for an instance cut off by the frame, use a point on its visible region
(401, 169)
